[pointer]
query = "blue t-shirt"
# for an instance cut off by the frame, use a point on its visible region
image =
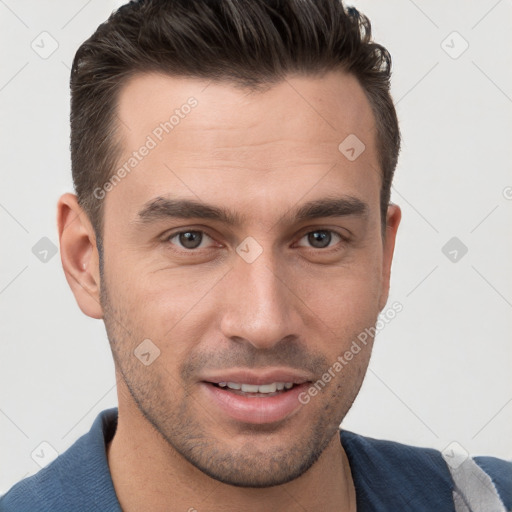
(388, 476)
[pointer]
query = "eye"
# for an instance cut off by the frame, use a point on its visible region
(189, 239)
(322, 238)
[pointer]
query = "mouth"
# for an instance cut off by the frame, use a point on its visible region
(257, 399)
(255, 390)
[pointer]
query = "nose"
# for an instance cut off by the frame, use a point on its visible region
(260, 306)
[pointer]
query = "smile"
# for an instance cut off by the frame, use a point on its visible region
(253, 403)
(265, 389)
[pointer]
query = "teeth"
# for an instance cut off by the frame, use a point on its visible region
(250, 388)
(254, 388)
(266, 388)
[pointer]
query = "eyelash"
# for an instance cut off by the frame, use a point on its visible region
(343, 239)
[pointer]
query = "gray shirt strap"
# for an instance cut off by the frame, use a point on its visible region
(474, 490)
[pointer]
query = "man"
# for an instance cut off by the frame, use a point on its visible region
(236, 241)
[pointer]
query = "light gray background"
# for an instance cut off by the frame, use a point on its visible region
(440, 371)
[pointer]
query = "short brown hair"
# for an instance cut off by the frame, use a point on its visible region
(249, 43)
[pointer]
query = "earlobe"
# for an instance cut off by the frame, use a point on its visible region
(393, 218)
(79, 255)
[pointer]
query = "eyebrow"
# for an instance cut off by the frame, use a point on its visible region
(162, 208)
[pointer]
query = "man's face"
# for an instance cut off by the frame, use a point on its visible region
(278, 307)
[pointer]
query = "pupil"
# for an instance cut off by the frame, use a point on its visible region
(191, 239)
(319, 239)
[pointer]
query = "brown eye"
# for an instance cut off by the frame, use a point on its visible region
(188, 239)
(321, 238)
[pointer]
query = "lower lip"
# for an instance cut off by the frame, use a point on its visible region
(255, 409)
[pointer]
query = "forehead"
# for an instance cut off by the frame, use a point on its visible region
(327, 106)
(212, 139)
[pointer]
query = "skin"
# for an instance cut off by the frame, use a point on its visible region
(298, 305)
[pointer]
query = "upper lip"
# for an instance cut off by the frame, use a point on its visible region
(260, 377)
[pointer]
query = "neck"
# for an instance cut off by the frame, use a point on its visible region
(148, 474)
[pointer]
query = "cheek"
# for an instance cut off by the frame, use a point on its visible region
(345, 296)
(168, 306)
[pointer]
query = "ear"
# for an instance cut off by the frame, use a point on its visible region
(393, 217)
(79, 255)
